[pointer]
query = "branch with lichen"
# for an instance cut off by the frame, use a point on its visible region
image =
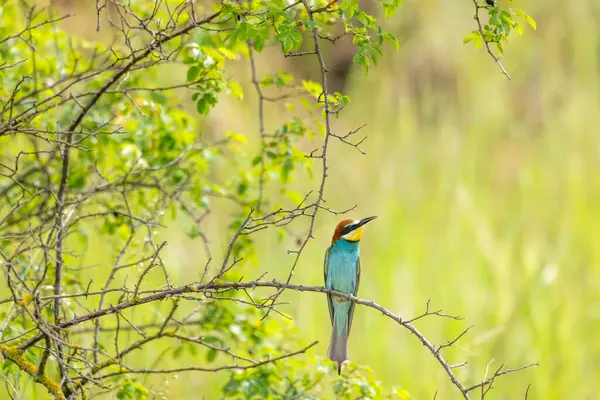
(16, 356)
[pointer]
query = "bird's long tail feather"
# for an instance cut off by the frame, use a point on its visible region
(338, 346)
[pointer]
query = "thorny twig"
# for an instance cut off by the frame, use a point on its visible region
(217, 287)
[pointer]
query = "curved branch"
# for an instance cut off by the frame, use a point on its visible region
(217, 287)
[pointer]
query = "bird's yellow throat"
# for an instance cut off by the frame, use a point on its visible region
(355, 235)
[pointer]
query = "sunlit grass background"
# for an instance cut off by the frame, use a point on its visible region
(487, 192)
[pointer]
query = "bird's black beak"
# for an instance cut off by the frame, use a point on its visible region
(364, 221)
(351, 227)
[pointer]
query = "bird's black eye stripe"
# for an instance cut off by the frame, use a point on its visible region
(347, 229)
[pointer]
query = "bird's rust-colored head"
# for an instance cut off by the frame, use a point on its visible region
(350, 229)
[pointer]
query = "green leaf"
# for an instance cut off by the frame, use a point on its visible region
(506, 27)
(211, 355)
(499, 47)
(257, 160)
(210, 339)
(289, 37)
(531, 21)
(314, 88)
(391, 38)
(193, 73)
(236, 89)
(242, 188)
(77, 181)
(178, 351)
(527, 18)
(519, 28)
(471, 36)
(159, 98)
(202, 106)
(237, 137)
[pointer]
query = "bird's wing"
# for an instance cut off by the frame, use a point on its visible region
(357, 277)
(354, 293)
(325, 266)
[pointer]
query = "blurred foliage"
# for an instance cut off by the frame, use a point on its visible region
(138, 138)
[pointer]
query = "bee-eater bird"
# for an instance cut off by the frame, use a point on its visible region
(342, 273)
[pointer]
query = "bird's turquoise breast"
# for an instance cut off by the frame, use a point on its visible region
(342, 266)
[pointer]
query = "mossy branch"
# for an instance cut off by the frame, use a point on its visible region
(15, 355)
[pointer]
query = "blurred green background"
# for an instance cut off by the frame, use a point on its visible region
(487, 192)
